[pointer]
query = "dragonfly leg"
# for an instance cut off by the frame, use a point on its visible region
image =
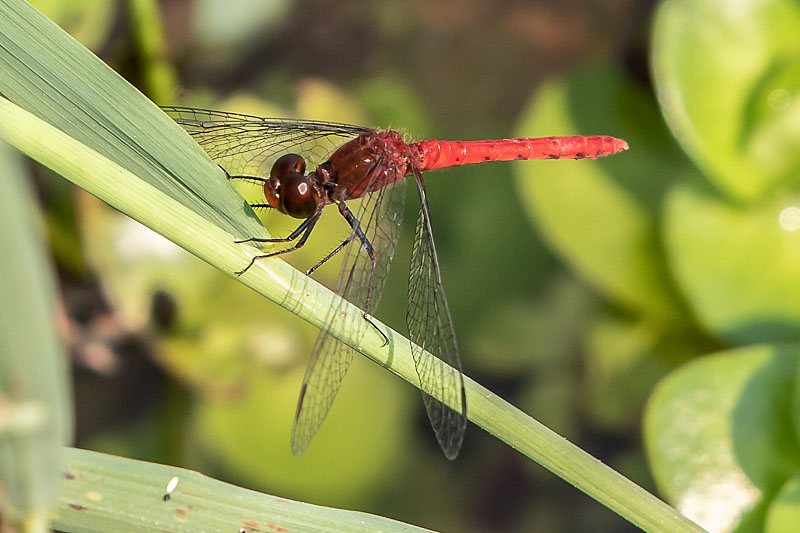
(292, 236)
(333, 252)
(304, 228)
(256, 179)
(358, 232)
(376, 328)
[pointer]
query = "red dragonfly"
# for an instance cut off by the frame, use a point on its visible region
(351, 162)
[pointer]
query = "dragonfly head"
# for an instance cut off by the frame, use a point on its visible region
(289, 190)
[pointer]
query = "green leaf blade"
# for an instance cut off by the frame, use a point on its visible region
(35, 396)
(108, 493)
(47, 72)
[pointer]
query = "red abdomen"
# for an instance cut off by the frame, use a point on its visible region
(435, 154)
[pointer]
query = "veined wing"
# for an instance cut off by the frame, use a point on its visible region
(380, 216)
(431, 329)
(248, 144)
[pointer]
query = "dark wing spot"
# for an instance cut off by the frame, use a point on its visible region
(300, 401)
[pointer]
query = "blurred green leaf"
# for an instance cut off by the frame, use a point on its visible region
(394, 104)
(221, 26)
(319, 100)
(551, 399)
(88, 21)
(556, 320)
(624, 359)
(35, 396)
(736, 265)
(719, 434)
(159, 75)
(240, 431)
(728, 80)
(784, 511)
(600, 216)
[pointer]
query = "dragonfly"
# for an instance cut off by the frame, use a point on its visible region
(314, 164)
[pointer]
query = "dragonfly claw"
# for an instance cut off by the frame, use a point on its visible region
(381, 333)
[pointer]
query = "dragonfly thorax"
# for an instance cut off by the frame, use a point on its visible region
(367, 163)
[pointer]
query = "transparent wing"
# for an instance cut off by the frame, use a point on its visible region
(431, 329)
(247, 144)
(380, 216)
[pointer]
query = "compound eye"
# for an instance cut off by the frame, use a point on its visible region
(298, 197)
(288, 164)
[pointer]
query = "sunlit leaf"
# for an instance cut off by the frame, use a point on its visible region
(728, 80)
(719, 433)
(736, 265)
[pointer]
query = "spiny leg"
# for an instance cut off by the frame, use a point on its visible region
(292, 236)
(331, 254)
(372, 168)
(357, 231)
(305, 227)
(257, 179)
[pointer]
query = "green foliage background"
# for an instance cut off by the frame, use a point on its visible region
(581, 291)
